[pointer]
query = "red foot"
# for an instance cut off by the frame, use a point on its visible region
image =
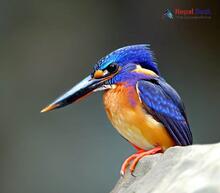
(136, 157)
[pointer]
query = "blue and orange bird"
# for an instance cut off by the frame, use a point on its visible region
(140, 104)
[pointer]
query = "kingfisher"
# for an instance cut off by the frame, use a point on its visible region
(140, 104)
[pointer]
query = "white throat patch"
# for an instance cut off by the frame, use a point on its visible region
(105, 87)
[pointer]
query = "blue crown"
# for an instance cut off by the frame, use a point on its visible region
(139, 54)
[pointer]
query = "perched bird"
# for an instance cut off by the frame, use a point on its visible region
(140, 104)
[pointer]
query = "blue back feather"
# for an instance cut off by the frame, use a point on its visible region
(165, 105)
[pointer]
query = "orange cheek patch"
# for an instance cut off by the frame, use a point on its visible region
(98, 74)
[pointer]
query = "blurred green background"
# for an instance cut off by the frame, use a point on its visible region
(47, 46)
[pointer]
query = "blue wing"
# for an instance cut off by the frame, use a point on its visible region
(165, 105)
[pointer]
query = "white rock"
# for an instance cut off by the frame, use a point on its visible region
(191, 169)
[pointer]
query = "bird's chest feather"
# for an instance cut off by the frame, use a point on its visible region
(125, 111)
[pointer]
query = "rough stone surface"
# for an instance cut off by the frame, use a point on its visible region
(191, 169)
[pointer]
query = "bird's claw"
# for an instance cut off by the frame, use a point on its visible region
(135, 158)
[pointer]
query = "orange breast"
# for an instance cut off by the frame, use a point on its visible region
(127, 115)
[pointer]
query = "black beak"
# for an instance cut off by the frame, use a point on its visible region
(85, 87)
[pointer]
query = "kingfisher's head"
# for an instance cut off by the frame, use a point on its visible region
(110, 70)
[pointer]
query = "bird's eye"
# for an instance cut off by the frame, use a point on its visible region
(112, 68)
